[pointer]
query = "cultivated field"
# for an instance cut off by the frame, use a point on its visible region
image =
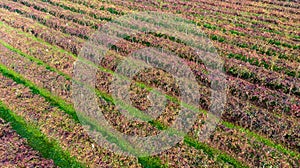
(258, 41)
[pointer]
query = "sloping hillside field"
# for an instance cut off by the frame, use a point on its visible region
(198, 83)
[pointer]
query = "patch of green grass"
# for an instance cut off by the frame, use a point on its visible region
(54, 100)
(151, 162)
(213, 152)
(32, 37)
(209, 26)
(33, 59)
(236, 32)
(37, 140)
(263, 140)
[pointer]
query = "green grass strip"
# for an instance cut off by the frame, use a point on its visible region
(151, 162)
(54, 100)
(33, 59)
(264, 140)
(31, 36)
(211, 152)
(37, 140)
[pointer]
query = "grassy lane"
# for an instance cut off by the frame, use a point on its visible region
(194, 155)
(55, 123)
(67, 42)
(15, 150)
(42, 75)
(37, 140)
(250, 150)
(266, 141)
